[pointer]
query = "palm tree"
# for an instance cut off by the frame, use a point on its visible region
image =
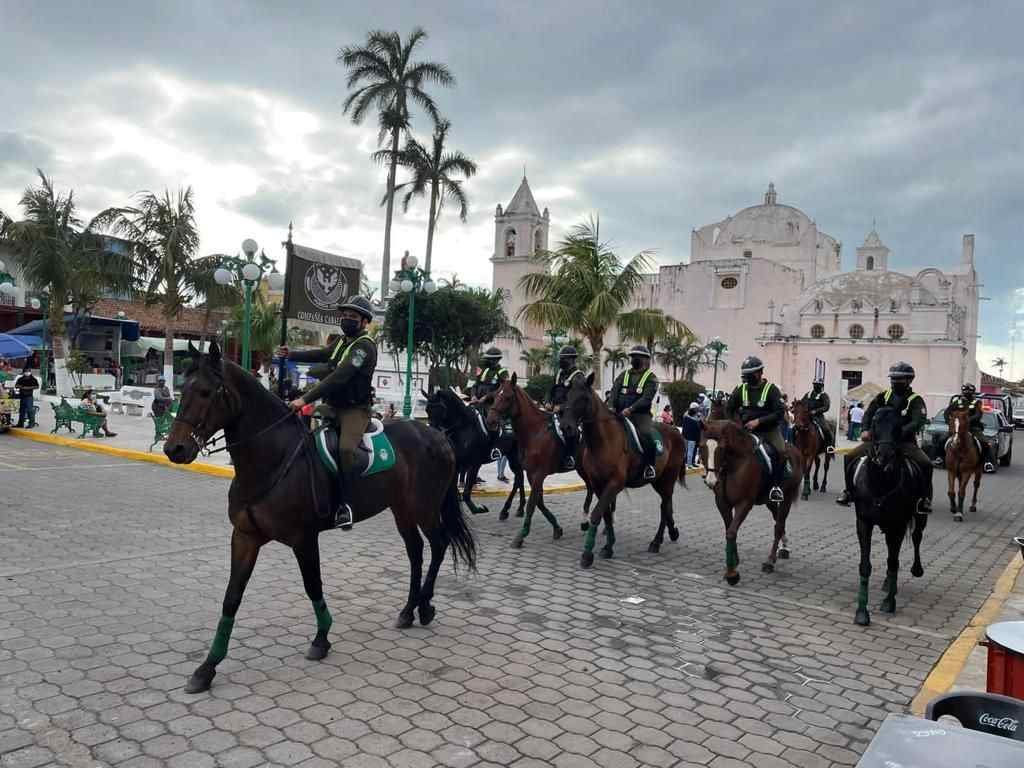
(647, 325)
(1000, 363)
(437, 170)
(617, 358)
(265, 326)
(74, 262)
(384, 77)
(672, 355)
(535, 359)
(215, 296)
(583, 286)
(164, 232)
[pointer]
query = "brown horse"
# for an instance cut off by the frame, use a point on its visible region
(282, 492)
(611, 465)
(540, 450)
(738, 488)
(811, 444)
(963, 460)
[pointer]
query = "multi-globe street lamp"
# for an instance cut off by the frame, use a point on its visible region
(410, 280)
(249, 272)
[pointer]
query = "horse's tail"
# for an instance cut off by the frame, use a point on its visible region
(682, 467)
(454, 524)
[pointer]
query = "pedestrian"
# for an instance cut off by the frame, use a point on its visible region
(162, 398)
(26, 384)
(90, 403)
(666, 415)
(856, 417)
(703, 406)
(502, 465)
(787, 424)
(692, 428)
(392, 412)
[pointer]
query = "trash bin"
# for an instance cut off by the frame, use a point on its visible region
(1005, 642)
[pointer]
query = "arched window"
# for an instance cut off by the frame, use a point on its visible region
(871, 263)
(510, 243)
(538, 241)
(895, 331)
(856, 331)
(817, 331)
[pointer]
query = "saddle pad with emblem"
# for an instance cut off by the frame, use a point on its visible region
(633, 438)
(377, 451)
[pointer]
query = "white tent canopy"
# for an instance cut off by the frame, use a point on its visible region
(145, 343)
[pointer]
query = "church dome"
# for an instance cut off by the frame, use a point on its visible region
(767, 223)
(871, 289)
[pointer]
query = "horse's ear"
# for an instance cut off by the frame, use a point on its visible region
(590, 379)
(424, 393)
(192, 351)
(214, 353)
(515, 378)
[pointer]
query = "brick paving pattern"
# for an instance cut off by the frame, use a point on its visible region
(112, 576)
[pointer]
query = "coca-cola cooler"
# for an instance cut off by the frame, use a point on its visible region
(1005, 642)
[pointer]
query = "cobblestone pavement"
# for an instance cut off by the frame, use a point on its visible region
(112, 574)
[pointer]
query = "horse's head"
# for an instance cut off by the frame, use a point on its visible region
(727, 433)
(437, 410)
(204, 408)
(959, 420)
(801, 416)
(504, 403)
(886, 431)
(579, 403)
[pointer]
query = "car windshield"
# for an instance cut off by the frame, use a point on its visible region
(988, 419)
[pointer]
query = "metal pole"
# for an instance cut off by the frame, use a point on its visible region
(714, 382)
(407, 404)
(44, 361)
(246, 319)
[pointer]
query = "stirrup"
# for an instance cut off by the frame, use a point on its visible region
(844, 498)
(990, 467)
(343, 517)
(569, 463)
(924, 506)
(775, 494)
(830, 449)
(495, 454)
(649, 472)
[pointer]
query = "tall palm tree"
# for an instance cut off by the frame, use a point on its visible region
(435, 169)
(215, 296)
(164, 232)
(264, 326)
(672, 354)
(647, 325)
(57, 253)
(383, 76)
(535, 359)
(617, 358)
(583, 286)
(1000, 363)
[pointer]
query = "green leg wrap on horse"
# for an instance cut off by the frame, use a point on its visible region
(323, 616)
(589, 538)
(219, 649)
(732, 554)
(862, 593)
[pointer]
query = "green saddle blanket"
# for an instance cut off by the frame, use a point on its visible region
(633, 438)
(376, 453)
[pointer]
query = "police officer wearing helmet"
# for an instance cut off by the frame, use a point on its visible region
(758, 405)
(818, 404)
(346, 375)
(567, 374)
(632, 396)
(967, 400)
(490, 377)
(914, 415)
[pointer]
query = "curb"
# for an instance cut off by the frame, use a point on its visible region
(567, 488)
(949, 666)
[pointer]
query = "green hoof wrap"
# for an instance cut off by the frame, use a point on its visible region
(323, 616)
(219, 649)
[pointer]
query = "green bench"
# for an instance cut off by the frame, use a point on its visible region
(162, 424)
(65, 415)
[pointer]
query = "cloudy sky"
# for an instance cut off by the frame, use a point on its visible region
(659, 116)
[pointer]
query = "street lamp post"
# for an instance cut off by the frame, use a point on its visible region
(719, 347)
(410, 280)
(249, 272)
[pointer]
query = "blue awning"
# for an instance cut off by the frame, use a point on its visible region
(129, 328)
(18, 345)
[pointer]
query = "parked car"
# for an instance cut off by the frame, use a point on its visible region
(998, 432)
(1002, 403)
(1018, 412)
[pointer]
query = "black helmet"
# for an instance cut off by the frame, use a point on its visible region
(639, 351)
(567, 352)
(361, 305)
(751, 365)
(492, 354)
(902, 372)
(969, 389)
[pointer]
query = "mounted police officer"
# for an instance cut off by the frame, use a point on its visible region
(818, 404)
(632, 396)
(914, 416)
(346, 375)
(567, 373)
(491, 376)
(968, 400)
(758, 405)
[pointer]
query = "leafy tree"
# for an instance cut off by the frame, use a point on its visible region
(680, 394)
(583, 286)
(539, 386)
(436, 170)
(75, 262)
(647, 326)
(536, 358)
(215, 296)
(383, 76)
(264, 326)
(617, 358)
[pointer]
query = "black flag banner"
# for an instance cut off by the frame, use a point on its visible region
(318, 283)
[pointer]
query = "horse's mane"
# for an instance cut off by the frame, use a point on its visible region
(249, 390)
(461, 409)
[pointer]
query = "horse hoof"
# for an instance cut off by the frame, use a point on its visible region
(200, 680)
(917, 571)
(584, 526)
(586, 559)
(427, 613)
(973, 510)
(606, 553)
(783, 554)
(481, 510)
(888, 606)
(405, 619)
(521, 513)
(654, 547)
(957, 517)
(733, 580)
(318, 651)
(503, 515)
(767, 568)
(862, 617)
(517, 543)
(673, 534)
(805, 496)
(557, 534)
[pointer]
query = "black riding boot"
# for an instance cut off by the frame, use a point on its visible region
(925, 504)
(846, 496)
(343, 514)
(989, 459)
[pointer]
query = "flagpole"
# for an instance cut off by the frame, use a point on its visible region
(282, 365)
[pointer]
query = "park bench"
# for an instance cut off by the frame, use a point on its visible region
(162, 424)
(135, 401)
(65, 415)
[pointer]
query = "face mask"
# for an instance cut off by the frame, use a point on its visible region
(900, 387)
(566, 363)
(635, 363)
(350, 327)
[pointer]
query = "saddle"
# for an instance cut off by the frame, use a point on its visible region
(376, 454)
(771, 466)
(505, 430)
(913, 478)
(977, 443)
(568, 460)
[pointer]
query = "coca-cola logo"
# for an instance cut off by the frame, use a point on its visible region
(1002, 723)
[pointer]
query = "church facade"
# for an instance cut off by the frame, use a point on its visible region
(768, 282)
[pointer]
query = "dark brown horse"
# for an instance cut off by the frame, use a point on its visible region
(739, 486)
(963, 461)
(611, 465)
(282, 492)
(809, 442)
(540, 450)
